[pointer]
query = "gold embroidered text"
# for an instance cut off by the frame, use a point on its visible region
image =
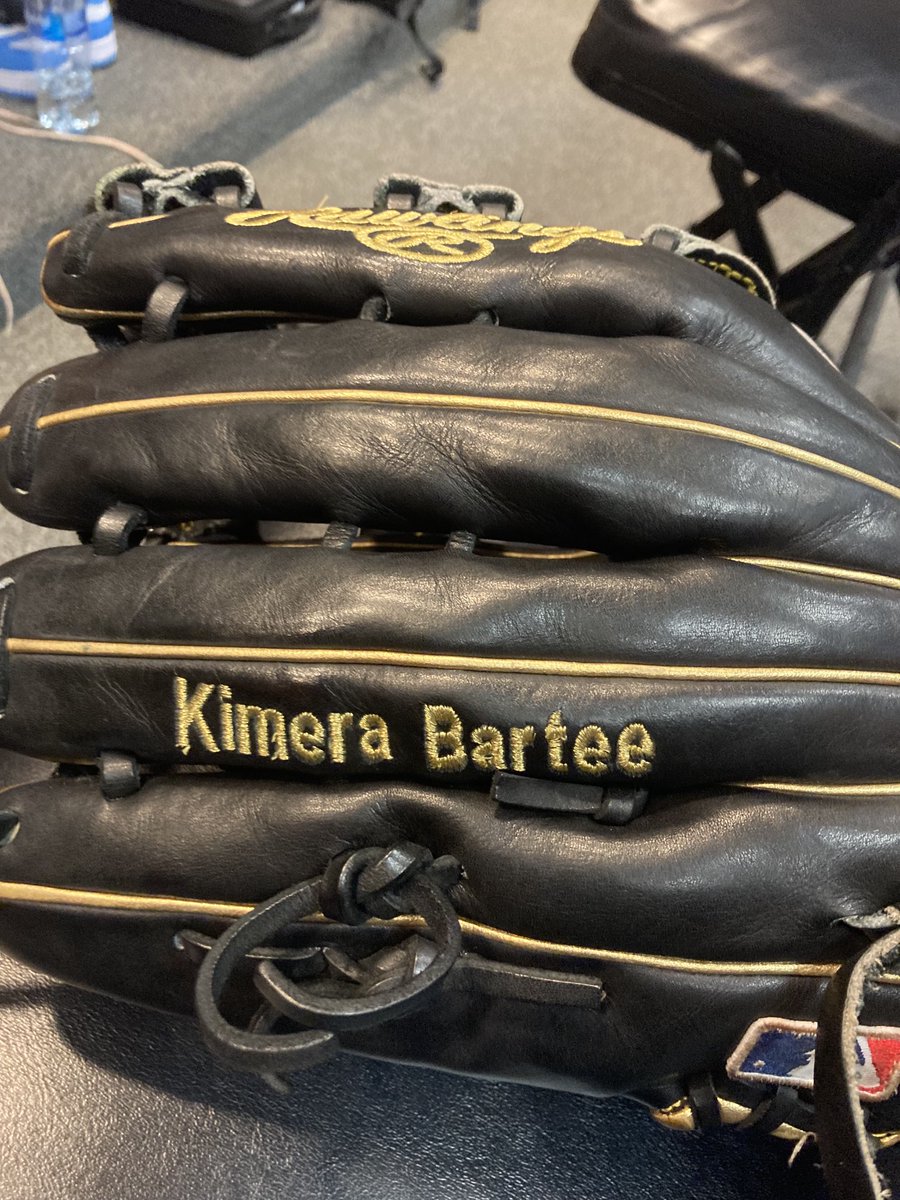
(449, 748)
(432, 237)
(208, 719)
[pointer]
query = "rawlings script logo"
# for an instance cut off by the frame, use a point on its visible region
(208, 718)
(433, 237)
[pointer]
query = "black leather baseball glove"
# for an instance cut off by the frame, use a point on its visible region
(579, 766)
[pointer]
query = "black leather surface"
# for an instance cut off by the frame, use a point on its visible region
(662, 661)
(574, 1009)
(750, 440)
(103, 1101)
(557, 877)
(807, 90)
(437, 269)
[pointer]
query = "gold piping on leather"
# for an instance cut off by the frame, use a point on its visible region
(32, 893)
(808, 568)
(110, 314)
(794, 788)
(472, 403)
(137, 221)
(334, 656)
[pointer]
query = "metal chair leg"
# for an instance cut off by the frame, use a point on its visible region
(863, 330)
(712, 226)
(727, 168)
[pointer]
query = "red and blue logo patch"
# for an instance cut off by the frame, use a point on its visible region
(776, 1050)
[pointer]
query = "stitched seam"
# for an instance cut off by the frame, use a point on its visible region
(730, 272)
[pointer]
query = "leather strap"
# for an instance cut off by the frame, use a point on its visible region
(846, 1148)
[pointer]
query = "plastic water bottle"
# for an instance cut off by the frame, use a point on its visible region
(62, 64)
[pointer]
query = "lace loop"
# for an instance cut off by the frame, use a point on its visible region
(846, 1146)
(343, 993)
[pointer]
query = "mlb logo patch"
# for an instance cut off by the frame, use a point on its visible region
(776, 1050)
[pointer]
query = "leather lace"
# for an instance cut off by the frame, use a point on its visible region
(312, 993)
(323, 990)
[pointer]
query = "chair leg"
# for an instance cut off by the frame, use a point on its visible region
(810, 292)
(863, 331)
(715, 224)
(727, 168)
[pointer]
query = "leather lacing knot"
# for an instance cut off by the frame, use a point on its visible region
(324, 990)
(374, 882)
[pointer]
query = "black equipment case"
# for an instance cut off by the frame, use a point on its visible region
(239, 26)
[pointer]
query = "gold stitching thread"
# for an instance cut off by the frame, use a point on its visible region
(375, 743)
(268, 728)
(520, 737)
(188, 712)
(338, 725)
(556, 735)
(474, 403)
(226, 717)
(449, 662)
(487, 749)
(724, 269)
(635, 750)
(307, 737)
(30, 893)
(443, 734)
(591, 750)
(440, 238)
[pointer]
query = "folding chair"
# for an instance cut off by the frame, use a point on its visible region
(803, 93)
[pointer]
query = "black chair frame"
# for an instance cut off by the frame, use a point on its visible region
(810, 291)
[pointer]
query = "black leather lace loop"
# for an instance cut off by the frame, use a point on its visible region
(119, 528)
(846, 1147)
(345, 994)
(780, 1107)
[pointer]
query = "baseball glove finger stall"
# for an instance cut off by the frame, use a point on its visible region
(647, 444)
(567, 753)
(207, 266)
(448, 665)
(546, 948)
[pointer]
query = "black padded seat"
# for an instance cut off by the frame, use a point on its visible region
(806, 91)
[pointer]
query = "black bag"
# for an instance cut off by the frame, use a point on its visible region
(239, 26)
